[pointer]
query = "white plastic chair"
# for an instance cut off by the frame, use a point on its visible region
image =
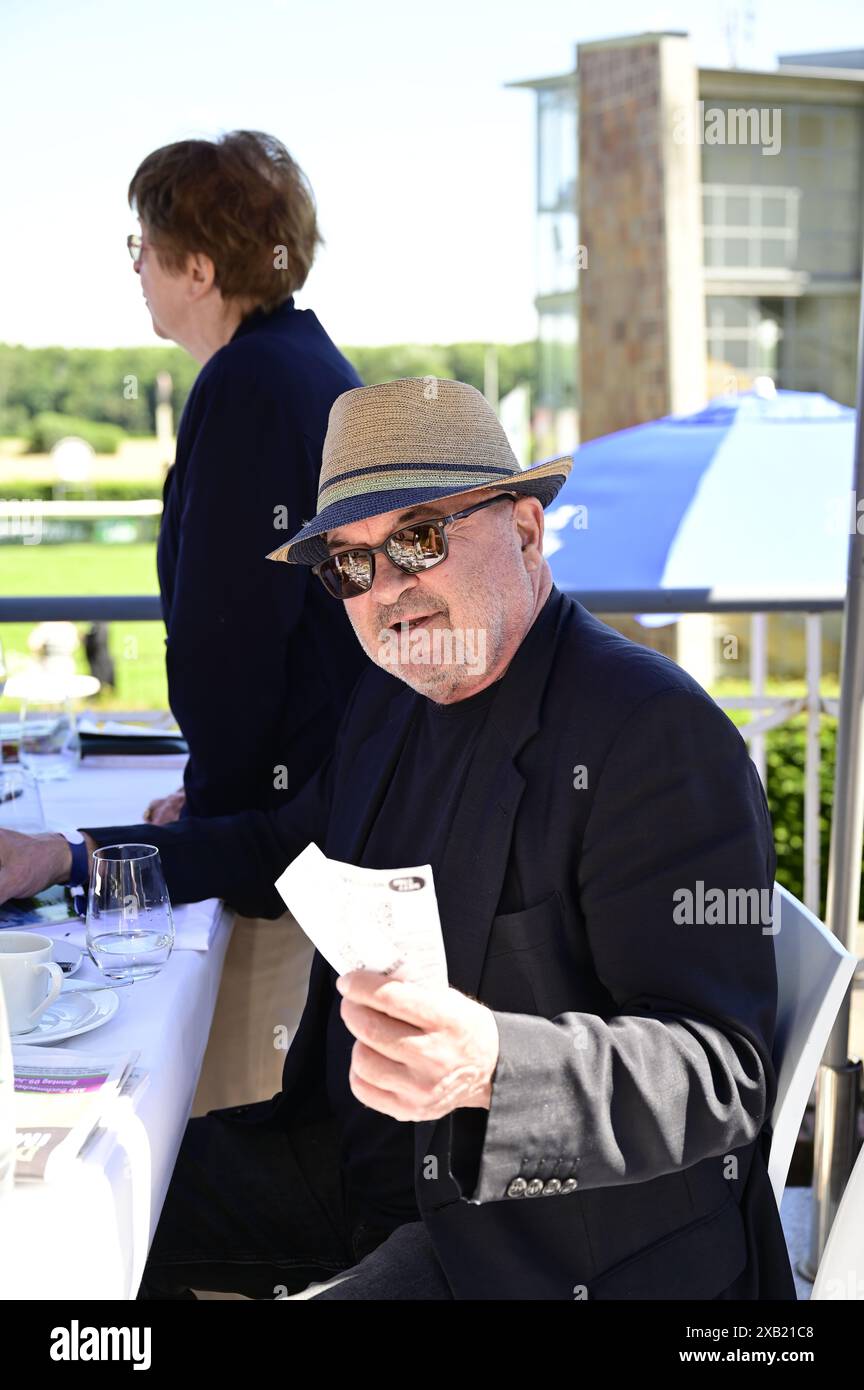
(841, 1269)
(813, 974)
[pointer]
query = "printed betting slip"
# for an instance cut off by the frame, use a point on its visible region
(368, 919)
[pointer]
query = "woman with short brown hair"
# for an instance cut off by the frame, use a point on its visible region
(259, 664)
(260, 660)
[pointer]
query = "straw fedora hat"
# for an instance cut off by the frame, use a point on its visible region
(414, 440)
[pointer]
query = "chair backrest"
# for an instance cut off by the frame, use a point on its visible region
(841, 1268)
(813, 974)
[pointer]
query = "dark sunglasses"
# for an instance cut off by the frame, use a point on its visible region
(420, 546)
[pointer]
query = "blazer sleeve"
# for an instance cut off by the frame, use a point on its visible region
(232, 610)
(238, 858)
(682, 1070)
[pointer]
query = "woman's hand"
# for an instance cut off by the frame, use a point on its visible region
(166, 808)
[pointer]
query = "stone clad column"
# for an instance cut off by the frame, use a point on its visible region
(642, 334)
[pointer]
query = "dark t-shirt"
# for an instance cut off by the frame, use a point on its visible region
(411, 828)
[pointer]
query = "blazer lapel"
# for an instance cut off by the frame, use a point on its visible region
(351, 817)
(478, 848)
(354, 810)
(475, 860)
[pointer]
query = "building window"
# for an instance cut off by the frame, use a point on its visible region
(557, 148)
(748, 228)
(557, 214)
(797, 210)
(804, 343)
(557, 266)
(744, 336)
(559, 364)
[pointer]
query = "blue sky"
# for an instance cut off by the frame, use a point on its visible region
(421, 160)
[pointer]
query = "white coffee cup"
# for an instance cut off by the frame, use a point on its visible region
(31, 979)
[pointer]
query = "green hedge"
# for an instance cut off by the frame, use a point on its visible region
(48, 427)
(785, 748)
(117, 490)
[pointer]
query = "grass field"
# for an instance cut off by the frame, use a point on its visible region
(138, 648)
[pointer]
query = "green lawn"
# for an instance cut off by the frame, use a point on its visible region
(138, 648)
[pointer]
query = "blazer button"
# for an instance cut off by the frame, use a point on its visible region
(534, 1188)
(517, 1188)
(569, 1185)
(551, 1187)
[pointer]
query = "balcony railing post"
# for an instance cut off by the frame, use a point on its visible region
(812, 790)
(758, 672)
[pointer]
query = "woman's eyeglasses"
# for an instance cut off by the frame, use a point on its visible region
(135, 244)
(420, 546)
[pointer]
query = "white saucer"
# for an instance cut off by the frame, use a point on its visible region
(74, 1011)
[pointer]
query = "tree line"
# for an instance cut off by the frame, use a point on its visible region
(117, 386)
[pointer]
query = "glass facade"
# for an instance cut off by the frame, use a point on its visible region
(796, 210)
(791, 223)
(557, 163)
(559, 355)
(557, 245)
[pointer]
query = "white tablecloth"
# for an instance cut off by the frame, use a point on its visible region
(88, 1236)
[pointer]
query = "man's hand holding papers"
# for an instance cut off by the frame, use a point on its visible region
(421, 1051)
(423, 1048)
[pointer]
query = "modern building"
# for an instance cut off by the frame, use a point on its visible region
(696, 227)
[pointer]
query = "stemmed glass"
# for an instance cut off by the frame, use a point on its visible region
(130, 926)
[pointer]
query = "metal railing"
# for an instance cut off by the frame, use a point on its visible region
(97, 608)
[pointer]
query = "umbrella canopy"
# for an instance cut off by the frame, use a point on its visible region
(750, 497)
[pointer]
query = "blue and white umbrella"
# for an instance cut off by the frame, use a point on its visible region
(749, 498)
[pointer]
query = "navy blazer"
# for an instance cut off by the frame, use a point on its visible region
(625, 1151)
(260, 659)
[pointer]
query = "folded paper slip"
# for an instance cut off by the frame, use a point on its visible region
(368, 919)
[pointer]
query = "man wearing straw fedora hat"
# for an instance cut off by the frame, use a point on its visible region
(582, 1112)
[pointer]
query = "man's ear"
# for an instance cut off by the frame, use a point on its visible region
(529, 523)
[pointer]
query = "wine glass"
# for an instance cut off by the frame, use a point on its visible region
(130, 926)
